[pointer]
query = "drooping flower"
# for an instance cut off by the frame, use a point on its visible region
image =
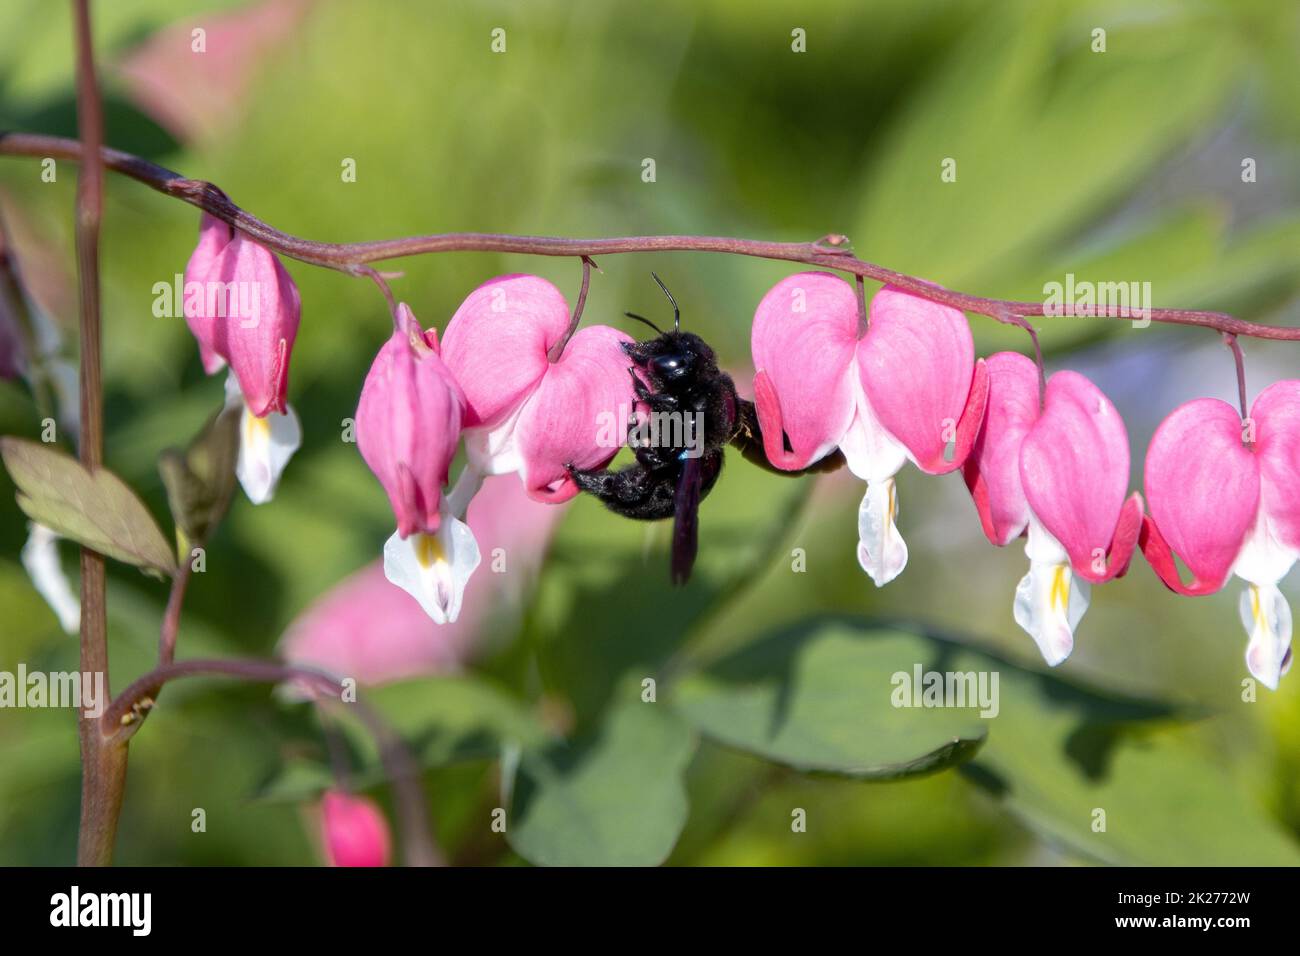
(524, 413)
(905, 389)
(1225, 497)
(354, 831)
(243, 309)
(408, 426)
(1060, 474)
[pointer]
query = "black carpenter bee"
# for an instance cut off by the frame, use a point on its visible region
(693, 414)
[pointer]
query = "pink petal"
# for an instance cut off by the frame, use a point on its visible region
(578, 414)
(201, 272)
(408, 426)
(1074, 468)
(992, 471)
(258, 345)
(917, 362)
(805, 330)
(191, 94)
(497, 341)
(1203, 489)
(354, 830)
(1276, 414)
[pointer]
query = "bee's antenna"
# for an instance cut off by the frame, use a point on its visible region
(642, 318)
(677, 313)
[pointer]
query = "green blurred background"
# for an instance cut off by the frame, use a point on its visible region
(1122, 165)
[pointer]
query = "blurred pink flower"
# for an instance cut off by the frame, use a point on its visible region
(370, 629)
(195, 93)
(354, 831)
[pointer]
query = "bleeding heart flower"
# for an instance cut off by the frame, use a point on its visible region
(243, 308)
(1059, 473)
(903, 390)
(525, 413)
(1225, 497)
(408, 426)
(354, 831)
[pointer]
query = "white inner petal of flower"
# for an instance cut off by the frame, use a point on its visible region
(1262, 562)
(434, 568)
(1267, 618)
(265, 447)
(1049, 603)
(869, 450)
(494, 451)
(882, 552)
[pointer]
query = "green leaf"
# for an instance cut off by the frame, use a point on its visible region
(201, 479)
(616, 799)
(447, 719)
(1059, 753)
(95, 509)
(296, 780)
(818, 697)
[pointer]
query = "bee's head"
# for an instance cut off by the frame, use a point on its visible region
(679, 356)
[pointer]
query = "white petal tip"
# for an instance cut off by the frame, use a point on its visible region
(434, 568)
(265, 447)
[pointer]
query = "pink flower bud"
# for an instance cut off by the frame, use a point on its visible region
(243, 307)
(408, 424)
(354, 830)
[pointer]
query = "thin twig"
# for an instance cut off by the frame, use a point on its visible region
(1020, 322)
(558, 348)
(1232, 343)
(125, 715)
(830, 252)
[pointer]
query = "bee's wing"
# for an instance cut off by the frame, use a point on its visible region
(686, 518)
(748, 438)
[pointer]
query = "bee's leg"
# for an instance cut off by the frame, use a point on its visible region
(657, 401)
(633, 492)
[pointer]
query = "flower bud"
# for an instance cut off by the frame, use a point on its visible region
(354, 830)
(243, 308)
(408, 424)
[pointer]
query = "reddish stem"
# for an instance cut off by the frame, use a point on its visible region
(830, 252)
